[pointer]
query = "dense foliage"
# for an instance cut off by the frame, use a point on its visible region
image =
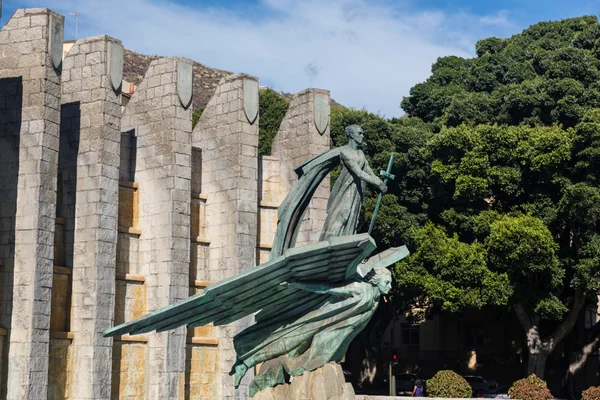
(530, 388)
(448, 384)
(272, 109)
(500, 188)
(592, 393)
(513, 176)
(549, 73)
(447, 274)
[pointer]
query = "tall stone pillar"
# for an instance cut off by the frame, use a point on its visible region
(160, 115)
(30, 57)
(303, 134)
(227, 133)
(91, 99)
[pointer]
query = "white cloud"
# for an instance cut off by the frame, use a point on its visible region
(500, 18)
(369, 54)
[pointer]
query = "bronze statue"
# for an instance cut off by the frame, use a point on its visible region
(343, 207)
(310, 301)
(316, 337)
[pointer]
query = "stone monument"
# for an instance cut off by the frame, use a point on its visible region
(310, 301)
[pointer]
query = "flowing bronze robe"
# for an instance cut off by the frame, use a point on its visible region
(316, 337)
(343, 207)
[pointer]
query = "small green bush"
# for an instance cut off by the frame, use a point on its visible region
(448, 384)
(530, 388)
(591, 393)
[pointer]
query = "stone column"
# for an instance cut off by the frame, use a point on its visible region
(30, 57)
(227, 133)
(92, 74)
(160, 114)
(303, 134)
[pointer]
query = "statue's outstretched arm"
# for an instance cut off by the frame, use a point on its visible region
(381, 185)
(367, 176)
(324, 288)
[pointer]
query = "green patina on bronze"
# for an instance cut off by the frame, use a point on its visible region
(343, 207)
(310, 301)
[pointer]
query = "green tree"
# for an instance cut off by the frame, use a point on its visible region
(272, 109)
(514, 169)
(547, 74)
(444, 273)
(512, 193)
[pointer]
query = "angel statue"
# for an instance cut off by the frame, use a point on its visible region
(314, 338)
(308, 302)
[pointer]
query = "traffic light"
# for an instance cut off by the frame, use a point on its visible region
(394, 359)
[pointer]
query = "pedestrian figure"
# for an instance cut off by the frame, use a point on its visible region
(418, 389)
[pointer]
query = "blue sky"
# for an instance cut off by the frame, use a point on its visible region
(368, 53)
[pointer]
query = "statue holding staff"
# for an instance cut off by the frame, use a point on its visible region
(308, 302)
(343, 207)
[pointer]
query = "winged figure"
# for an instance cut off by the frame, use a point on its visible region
(309, 301)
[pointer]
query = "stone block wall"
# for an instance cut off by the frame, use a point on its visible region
(110, 213)
(303, 134)
(90, 146)
(60, 361)
(3, 333)
(162, 126)
(272, 190)
(29, 134)
(130, 357)
(228, 139)
(200, 373)
(199, 272)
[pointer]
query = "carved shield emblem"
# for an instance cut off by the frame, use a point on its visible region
(55, 41)
(251, 99)
(184, 83)
(115, 64)
(321, 112)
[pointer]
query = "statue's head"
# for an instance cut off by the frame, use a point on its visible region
(355, 133)
(380, 277)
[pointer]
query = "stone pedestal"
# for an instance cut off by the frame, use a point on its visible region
(325, 383)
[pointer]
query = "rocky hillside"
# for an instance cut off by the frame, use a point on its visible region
(205, 79)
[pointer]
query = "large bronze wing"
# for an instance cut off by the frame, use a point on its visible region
(301, 302)
(260, 288)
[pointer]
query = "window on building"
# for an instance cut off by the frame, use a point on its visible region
(410, 334)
